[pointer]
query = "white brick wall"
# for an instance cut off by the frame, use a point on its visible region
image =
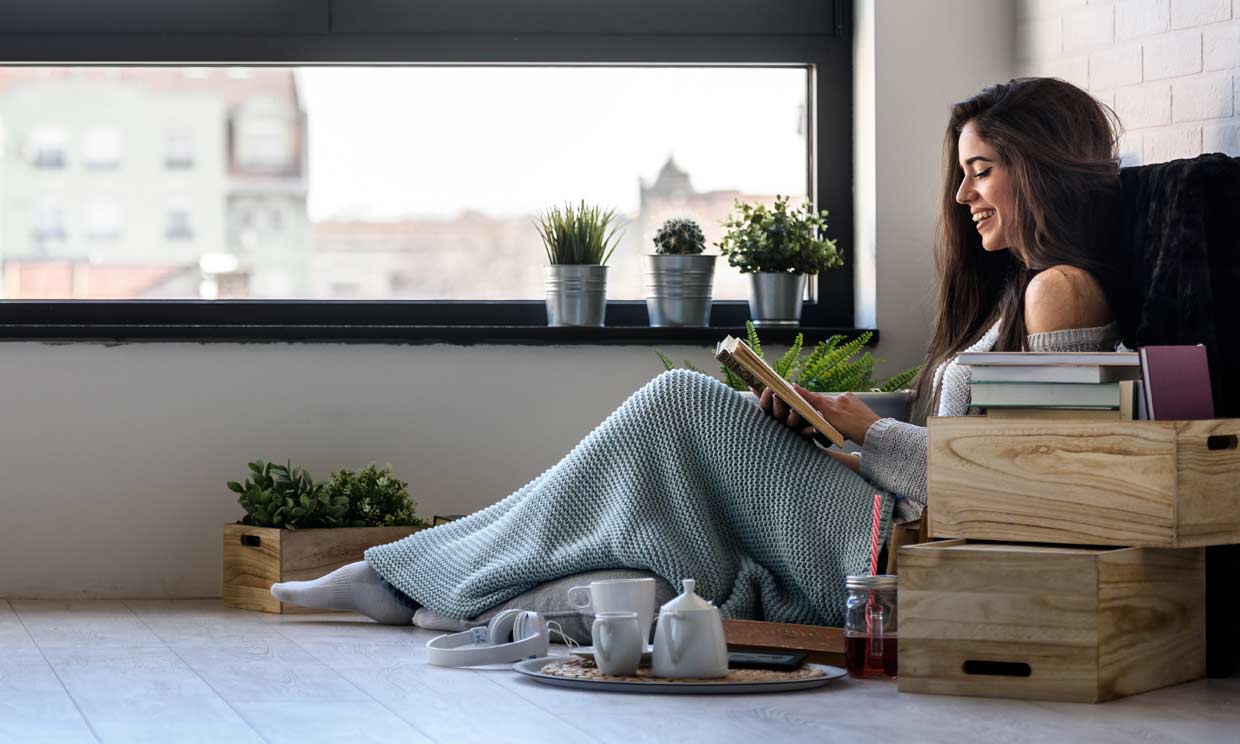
(1169, 68)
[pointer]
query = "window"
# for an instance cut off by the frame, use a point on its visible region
(47, 147)
(101, 148)
(403, 205)
(103, 220)
(177, 224)
(178, 149)
(401, 164)
(47, 227)
(264, 131)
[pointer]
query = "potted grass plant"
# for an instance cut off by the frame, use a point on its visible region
(578, 240)
(778, 247)
(678, 276)
(295, 528)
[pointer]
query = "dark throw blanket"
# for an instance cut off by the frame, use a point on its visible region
(1178, 246)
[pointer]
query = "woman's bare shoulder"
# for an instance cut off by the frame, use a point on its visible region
(1064, 297)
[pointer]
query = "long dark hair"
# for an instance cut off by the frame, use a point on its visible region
(1059, 145)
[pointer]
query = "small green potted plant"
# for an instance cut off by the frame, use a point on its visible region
(578, 240)
(778, 246)
(678, 277)
(295, 528)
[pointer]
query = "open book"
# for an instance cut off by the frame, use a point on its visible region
(753, 369)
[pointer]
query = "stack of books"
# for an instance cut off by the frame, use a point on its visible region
(1055, 384)
(1156, 382)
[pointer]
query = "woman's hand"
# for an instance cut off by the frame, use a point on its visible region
(844, 411)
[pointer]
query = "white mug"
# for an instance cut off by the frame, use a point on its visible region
(617, 595)
(617, 643)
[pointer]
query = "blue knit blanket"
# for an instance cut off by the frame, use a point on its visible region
(687, 479)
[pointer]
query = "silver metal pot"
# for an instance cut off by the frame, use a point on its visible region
(775, 298)
(576, 294)
(678, 289)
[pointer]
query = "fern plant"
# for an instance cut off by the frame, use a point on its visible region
(836, 365)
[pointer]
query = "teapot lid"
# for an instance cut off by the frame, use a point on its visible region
(688, 601)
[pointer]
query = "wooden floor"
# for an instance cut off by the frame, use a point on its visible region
(183, 671)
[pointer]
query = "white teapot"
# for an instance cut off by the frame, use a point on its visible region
(688, 641)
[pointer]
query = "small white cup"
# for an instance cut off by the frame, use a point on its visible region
(617, 643)
(617, 595)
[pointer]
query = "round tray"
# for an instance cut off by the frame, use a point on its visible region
(533, 668)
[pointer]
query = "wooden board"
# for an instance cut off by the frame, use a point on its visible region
(823, 644)
(1126, 483)
(257, 557)
(1049, 623)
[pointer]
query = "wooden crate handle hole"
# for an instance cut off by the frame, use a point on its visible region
(997, 668)
(1221, 442)
(251, 541)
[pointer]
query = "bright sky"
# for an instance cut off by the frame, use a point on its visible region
(432, 141)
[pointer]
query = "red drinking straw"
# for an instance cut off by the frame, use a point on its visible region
(873, 649)
(878, 505)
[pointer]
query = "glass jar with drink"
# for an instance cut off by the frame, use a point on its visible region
(870, 627)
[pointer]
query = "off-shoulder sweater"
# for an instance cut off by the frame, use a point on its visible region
(894, 452)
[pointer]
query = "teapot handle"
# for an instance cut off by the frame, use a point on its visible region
(676, 647)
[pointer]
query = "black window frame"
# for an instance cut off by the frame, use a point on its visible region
(815, 34)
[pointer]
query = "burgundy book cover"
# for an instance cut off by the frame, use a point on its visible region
(1176, 382)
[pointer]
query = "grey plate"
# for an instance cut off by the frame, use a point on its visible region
(533, 668)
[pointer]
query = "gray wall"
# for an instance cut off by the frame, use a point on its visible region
(922, 57)
(114, 457)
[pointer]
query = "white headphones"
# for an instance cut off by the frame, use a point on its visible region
(512, 635)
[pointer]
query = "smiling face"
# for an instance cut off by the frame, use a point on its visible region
(986, 189)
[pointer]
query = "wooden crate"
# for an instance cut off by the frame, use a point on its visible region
(1130, 483)
(1047, 622)
(257, 557)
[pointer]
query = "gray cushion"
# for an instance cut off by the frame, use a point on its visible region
(551, 601)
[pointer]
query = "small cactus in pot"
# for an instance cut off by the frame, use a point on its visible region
(678, 277)
(679, 236)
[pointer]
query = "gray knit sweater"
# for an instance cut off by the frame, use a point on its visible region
(894, 452)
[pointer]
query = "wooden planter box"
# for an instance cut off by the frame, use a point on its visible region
(257, 557)
(1130, 483)
(1049, 623)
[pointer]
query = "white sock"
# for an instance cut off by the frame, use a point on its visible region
(355, 587)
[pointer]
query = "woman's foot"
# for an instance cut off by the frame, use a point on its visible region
(355, 587)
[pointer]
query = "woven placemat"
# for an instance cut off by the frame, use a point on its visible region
(578, 668)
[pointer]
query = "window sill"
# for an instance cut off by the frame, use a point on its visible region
(460, 335)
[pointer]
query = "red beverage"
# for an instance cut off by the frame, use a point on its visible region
(870, 657)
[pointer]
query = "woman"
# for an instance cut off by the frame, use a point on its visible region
(686, 478)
